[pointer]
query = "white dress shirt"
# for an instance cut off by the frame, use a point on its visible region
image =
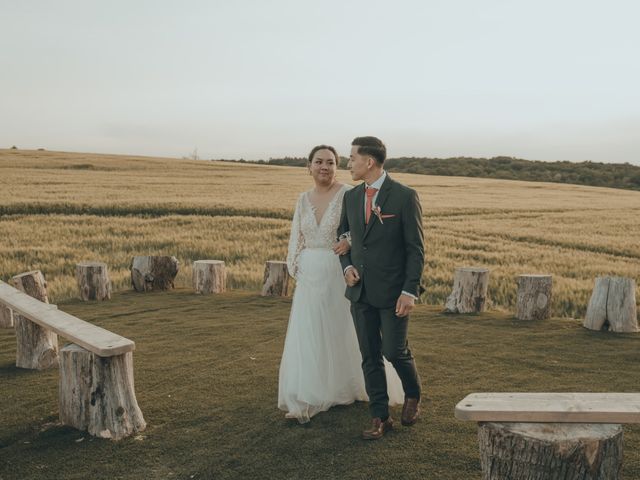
(377, 184)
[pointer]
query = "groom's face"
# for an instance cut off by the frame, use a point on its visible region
(358, 164)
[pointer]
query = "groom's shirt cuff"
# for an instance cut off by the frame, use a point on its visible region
(408, 294)
(346, 269)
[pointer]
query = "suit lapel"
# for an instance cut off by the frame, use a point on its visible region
(359, 201)
(382, 197)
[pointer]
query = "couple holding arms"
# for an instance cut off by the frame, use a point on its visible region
(379, 255)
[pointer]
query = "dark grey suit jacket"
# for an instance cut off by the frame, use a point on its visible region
(389, 256)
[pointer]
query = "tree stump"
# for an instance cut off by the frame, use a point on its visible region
(550, 451)
(209, 276)
(6, 317)
(153, 273)
(534, 297)
(93, 281)
(33, 284)
(276, 279)
(613, 305)
(97, 393)
(469, 295)
(37, 347)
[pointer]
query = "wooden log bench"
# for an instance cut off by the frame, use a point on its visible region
(96, 389)
(550, 435)
(6, 317)
(36, 347)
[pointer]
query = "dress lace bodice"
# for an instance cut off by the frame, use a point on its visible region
(306, 232)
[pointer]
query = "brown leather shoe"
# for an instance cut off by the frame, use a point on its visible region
(410, 411)
(378, 429)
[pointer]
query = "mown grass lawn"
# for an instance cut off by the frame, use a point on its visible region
(206, 380)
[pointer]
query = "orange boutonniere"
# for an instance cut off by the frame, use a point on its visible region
(378, 213)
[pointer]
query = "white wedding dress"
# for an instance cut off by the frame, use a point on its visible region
(321, 361)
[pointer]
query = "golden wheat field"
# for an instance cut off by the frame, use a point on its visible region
(57, 209)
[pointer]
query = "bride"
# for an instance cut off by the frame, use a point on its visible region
(320, 364)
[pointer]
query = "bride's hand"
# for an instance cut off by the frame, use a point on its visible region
(342, 247)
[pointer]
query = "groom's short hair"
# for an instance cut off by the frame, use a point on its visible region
(371, 146)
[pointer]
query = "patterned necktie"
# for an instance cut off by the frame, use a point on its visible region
(371, 192)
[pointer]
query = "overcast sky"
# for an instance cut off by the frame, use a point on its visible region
(538, 79)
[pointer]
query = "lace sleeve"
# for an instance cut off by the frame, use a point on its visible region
(346, 236)
(296, 241)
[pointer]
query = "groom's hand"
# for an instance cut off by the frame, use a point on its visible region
(404, 305)
(352, 276)
(342, 247)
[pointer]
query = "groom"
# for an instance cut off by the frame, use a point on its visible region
(382, 272)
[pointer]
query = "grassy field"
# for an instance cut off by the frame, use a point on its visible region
(57, 209)
(206, 381)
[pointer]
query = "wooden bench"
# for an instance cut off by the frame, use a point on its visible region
(96, 388)
(550, 435)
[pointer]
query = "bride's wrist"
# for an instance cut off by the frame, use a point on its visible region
(345, 236)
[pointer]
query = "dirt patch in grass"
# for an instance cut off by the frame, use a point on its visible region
(206, 380)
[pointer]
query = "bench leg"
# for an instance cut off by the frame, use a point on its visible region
(36, 347)
(97, 393)
(550, 451)
(6, 317)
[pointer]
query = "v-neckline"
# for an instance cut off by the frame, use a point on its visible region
(314, 208)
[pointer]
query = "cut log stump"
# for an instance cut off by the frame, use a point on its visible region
(209, 276)
(276, 279)
(6, 317)
(613, 305)
(97, 393)
(93, 281)
(469, 295)
(33, 284)
(550, 451)
(150, 273)
(37, 347)
(534, 297)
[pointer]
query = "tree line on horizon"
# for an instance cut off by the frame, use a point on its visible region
(596, 174)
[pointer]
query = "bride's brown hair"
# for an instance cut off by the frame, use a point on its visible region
(323, 147)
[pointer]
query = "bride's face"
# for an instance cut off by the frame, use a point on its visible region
(323, 167)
